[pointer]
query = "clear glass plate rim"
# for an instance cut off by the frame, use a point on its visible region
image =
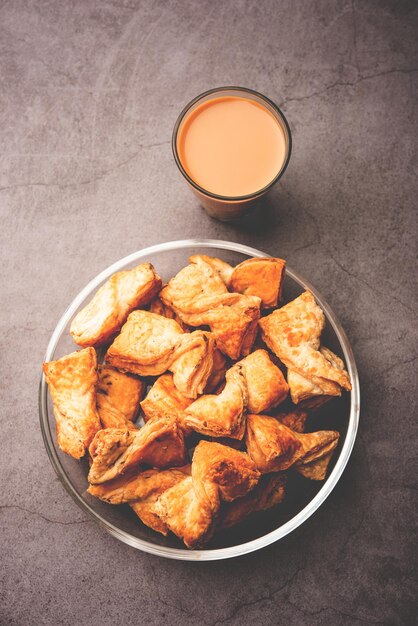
(265, 540)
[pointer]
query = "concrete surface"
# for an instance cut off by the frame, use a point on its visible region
(89, 94)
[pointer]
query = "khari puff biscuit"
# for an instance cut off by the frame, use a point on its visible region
(132, 487)
(254, 384)
(293, 334)
(274, 447)
(118, 397)
(199, 297)
(269, 492)
(316, 469)
(150, 344)
(114, 451)
(217, 377)
(141, 491)
(145, 507)
(221, 415)
(266, 385)
(72, 382)
(262, 277)
(294, 419)
(158, 306)
(109, 308)
(190, 508)
(313, 392)
(165, 399)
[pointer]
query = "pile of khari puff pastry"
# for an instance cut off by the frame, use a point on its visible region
(223, 356)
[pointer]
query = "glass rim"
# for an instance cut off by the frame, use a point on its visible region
(210, 194)
(249, 546)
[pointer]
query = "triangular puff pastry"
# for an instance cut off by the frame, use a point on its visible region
(274, 447)
(221, 415)
(72, 382)
(164, 399)
(269, 492)
(199, 297)
(118, 397)
(313, 392)
(220, 367)
(295, 420)
(145, 508)
(158, 306)
(190, 508)
(262, 277)
(133, 487)
(103, 316)
(266, 385)
(150, 344)
(293, 334)
(316, 469)
(141, 492)
(254, 384)
(115, 450)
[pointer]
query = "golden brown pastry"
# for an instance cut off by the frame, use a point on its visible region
(145, 508)
(158, 306)
(199, 296)
(164, 399)
(316, 469)
(293, 333)
(118, 398)
(266, 384)
(262, 277)
(314, 391)
(221, 267)
(141, 492)
(189, 514)
(72, 382)
(221, 415)
(254, 384)
(104, 315)
(217, 377)
(295, 419)
(274, 447)
(146, 345)
(269, 492)
(114, 451)
(194, 362)
(150, 344)
(137, 486)
(190, 508)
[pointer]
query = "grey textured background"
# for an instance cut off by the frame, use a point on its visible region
(89, 94)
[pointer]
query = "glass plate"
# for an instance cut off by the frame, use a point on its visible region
(303, 496)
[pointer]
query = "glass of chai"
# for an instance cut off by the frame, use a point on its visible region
(232, 145)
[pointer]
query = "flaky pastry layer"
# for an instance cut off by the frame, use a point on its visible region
(114, 451)
(118, 397)
(109, 308)
(190, 508)
(254, 384)
(72, 382)
(293, 334)
(150, 344)
(274, 447)
(199, 297)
